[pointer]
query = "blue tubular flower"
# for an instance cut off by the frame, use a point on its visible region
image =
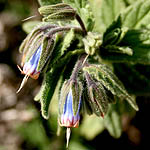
(67, 118)
(30, 67)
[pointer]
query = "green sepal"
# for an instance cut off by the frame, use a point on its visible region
(97, 96)
(61, 15)
(32, 47)
(34, 35)
(68, 39)
(76, 88)
(99, 102)
(28, 40)
(86, 108)
(23, 44)
(110, 81)
(50, 9)
(48, 45)
(63, 95)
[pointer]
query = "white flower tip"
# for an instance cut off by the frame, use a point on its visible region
(24, 81)
(68, 133)
(29, 18)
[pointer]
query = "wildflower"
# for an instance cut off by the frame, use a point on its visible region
(70, 101)
(30, 67)
(67, 118)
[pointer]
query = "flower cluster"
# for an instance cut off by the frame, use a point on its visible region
(49, 48)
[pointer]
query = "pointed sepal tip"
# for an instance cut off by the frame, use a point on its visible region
(68, 133)
(24, 81)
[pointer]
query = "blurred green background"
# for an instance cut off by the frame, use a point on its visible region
(21, 124)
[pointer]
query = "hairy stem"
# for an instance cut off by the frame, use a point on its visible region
(78, 66)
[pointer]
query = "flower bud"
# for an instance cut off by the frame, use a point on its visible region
(35, 58)
(50, 9)
(29, 67)
(68, 119)
(57, 12)
(92, 42)
(67, 14)
(70, 101)
(97, 96)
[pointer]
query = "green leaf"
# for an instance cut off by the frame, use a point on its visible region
(119, 49)
(84, 11)
(70, 2)
(136, 15)
(114, 34)
(112, 121)
(138, 40)
(76, 3)
(48, 87)
(105, 12)
(87, 17)
(137, 37)
(68, 39)
(48, 2)
(103, 74)
(140, 55)
(38, 95)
